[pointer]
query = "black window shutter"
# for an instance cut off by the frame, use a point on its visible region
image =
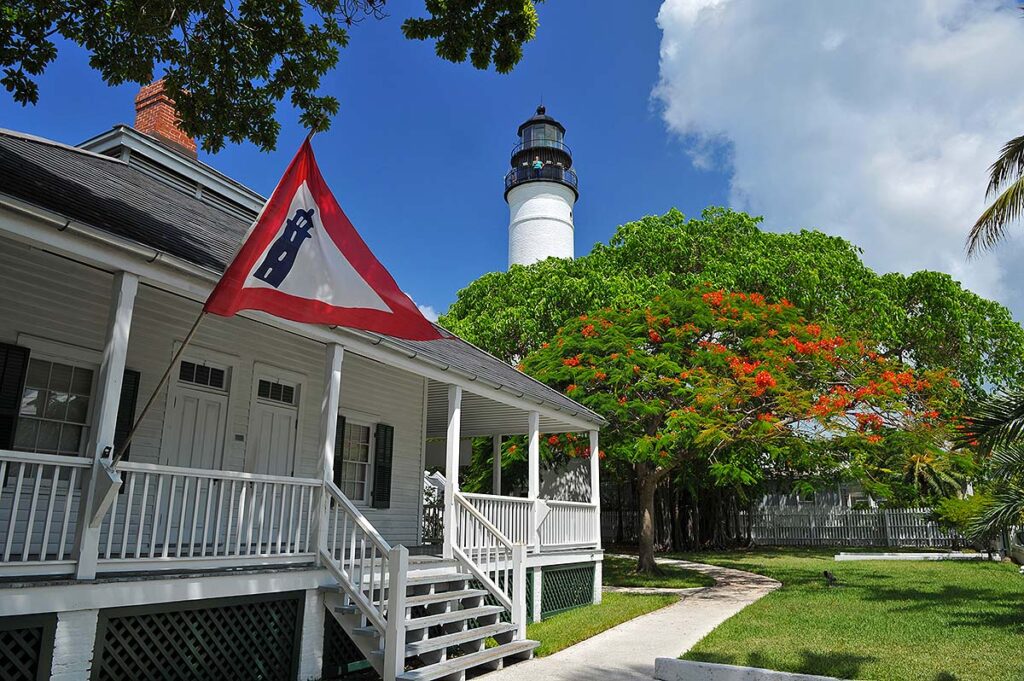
(339, 448)
(13, 364)
(126, 408)
(384, 444)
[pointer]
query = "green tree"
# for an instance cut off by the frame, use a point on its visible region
(926, 318)
(230, 64)
(736, 384)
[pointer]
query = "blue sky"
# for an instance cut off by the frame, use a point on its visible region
(874, 120)
(417, 153)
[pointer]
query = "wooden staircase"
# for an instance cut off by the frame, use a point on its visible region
(449, 627)
(424, 618)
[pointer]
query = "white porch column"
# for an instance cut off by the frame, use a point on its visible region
(311, 648)
(496, 465)
(595, 480)
(328, 432)
(451, 471)
(108, 399)
(533, 462)
(595, 499)
(73, 645)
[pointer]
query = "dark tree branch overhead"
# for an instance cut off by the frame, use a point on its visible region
(230, 64)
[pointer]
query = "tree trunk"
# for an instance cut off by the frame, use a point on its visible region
(646, 484)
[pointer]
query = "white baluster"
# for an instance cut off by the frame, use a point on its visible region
(127, 518)
(143, 509)
(49, 512)
(67, 510)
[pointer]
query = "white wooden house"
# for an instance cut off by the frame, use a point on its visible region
(269, 499)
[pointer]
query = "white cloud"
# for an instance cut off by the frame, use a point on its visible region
(428, 311)
(875, 120)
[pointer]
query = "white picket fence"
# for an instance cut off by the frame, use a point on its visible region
(843, 527)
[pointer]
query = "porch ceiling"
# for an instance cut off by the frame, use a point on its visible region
(484, 416)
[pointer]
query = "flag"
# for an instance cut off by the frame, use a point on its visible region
(303, 260)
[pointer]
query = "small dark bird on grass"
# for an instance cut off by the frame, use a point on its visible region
(831, 578)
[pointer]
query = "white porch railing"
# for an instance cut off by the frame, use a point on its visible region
(513, 516)
(567, 524)
(39, 496)
(570, 524)
(357, 555)
(491, 557)
(170, 514)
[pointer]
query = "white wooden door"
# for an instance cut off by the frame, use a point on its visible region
(272, 451)
(195, 428)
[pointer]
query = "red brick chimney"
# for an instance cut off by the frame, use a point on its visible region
(155, 115)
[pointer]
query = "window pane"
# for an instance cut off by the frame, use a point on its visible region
(38, 375)
(78, 408)
(187, 372)
(203, 375)
(60, 377)
(81, 381)
(49, 436)
(25, 435)
(32, 402)
(70, 439)
(56, 405)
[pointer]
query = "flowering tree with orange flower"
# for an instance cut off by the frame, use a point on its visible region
(739, 385)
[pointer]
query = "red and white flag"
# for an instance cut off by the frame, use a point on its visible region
(303, 260)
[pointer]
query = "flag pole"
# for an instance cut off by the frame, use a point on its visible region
(123, 447)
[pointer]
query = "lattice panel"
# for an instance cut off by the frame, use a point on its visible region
(26, 647)
(342, 659)
(243, 639)
(566, 588)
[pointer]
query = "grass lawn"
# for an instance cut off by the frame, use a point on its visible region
(569, 628)
(889, 621)
(620, 571)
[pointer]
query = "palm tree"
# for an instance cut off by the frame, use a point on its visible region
(998, 427)
(1006, 184)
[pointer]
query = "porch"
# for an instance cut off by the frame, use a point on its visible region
(256, 487)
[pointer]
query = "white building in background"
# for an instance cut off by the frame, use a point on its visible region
(541, 189)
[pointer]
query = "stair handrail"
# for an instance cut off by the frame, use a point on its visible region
(471, 556)
(362, 593)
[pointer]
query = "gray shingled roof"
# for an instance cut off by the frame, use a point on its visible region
(108, 194)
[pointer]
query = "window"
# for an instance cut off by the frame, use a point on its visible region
(355, 461)
(54, 410)
(275, 392)
(202, 375)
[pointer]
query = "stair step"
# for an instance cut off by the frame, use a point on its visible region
(458, 664)
(443, 596)
(348, 609)
(453, 616)
(439, 578)
(458, 638)
(366, 631)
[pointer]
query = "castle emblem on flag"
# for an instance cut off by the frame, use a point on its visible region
(281, 255)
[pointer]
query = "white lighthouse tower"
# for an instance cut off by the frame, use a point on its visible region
(541, 190)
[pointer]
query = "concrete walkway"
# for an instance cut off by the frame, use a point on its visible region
(627, 652)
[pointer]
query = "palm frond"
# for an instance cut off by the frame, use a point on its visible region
(1006, 509)
(991, 226)
(1010, 164)
(1008, 461)
(997, 421)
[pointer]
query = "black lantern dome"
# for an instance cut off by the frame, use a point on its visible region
(541, 154)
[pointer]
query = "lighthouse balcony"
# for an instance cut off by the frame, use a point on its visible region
(542, 143)
(548, 173)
